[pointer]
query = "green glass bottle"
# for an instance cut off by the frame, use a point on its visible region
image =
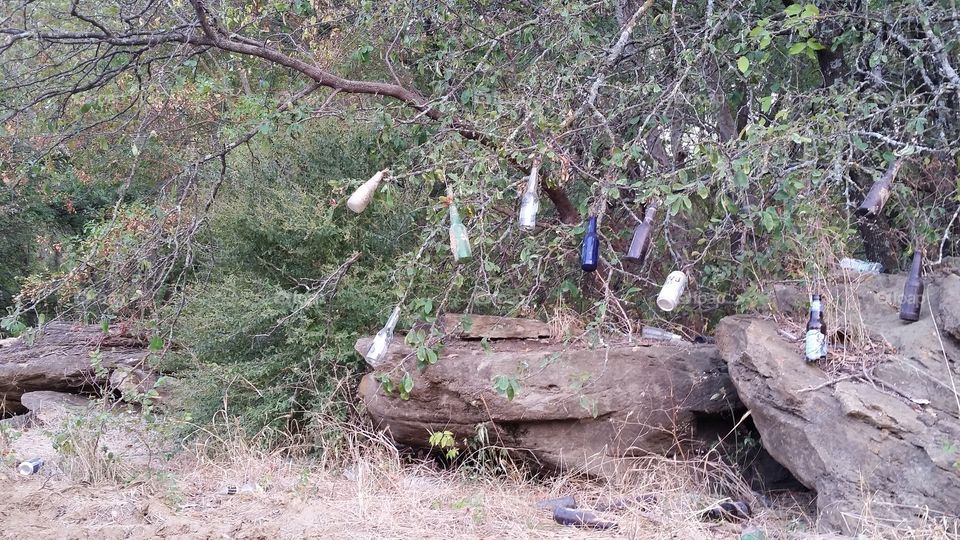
(459, 241)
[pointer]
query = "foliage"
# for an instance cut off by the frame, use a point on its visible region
(258, 319)
(444, 441)
(241, 128)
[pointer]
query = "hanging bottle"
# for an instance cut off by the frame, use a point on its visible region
(913, 290)
(671, 291)
(640, 244)
(876, 198)
(590, 251)
(530, 202)
(364, 194)
(459, 241)
(381, 342)
(815, 342)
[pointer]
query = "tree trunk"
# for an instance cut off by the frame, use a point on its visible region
(65, 357)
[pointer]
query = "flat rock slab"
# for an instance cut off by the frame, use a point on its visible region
(493, 327)
(889, 445)
(48, 406)
(575, 407)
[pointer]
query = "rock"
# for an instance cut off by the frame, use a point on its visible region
(48, 407)
(492, 327)
(59, 359)
(576, 517)
(889, 446)
(21, 421)
(133, 383)
(567, 501)
(950, 310)
(789, 299)
(574, 408)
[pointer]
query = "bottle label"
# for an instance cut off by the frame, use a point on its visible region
(815, 345)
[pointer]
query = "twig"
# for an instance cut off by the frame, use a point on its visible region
(946, 234)
(327, 287)
(828, 383)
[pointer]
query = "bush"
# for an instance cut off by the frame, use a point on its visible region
(271, 315)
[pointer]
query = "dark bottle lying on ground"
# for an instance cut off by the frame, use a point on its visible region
(815, 343)
(640, 244)
(913, 290)
(590, 252)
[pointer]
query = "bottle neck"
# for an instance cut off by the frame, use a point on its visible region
(454, 215)
(532, 181)
(916, 268)
(650, 213)
(392, 321)
(592, 225)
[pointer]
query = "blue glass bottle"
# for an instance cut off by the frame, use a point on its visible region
(590, 253)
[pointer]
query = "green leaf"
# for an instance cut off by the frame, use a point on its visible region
(740, 179)
(407, 383)
(810, 10)
(743, 64)
(765, 103)
(797, 48)
(793, 10)
(156, 343)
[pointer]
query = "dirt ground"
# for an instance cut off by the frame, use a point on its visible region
(129, 484)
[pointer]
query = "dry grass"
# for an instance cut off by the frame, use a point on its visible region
(366, 489)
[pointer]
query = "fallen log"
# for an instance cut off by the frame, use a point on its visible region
(64, 357)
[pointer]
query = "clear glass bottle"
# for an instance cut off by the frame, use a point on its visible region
(381, 342)
(529, 203)
(659, 334)
(815, 341)
(459, 240)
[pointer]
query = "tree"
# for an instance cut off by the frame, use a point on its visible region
(757, 127)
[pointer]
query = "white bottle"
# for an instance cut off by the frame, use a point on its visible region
(381, 342)
(529, 203)
(672, 289)
(364, 194)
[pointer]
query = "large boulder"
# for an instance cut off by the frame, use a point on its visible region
(65, 357)
(878, 432)
(575, 408)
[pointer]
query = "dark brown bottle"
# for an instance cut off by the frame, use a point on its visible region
(640, 244)
(913, 290)
(815, 342)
